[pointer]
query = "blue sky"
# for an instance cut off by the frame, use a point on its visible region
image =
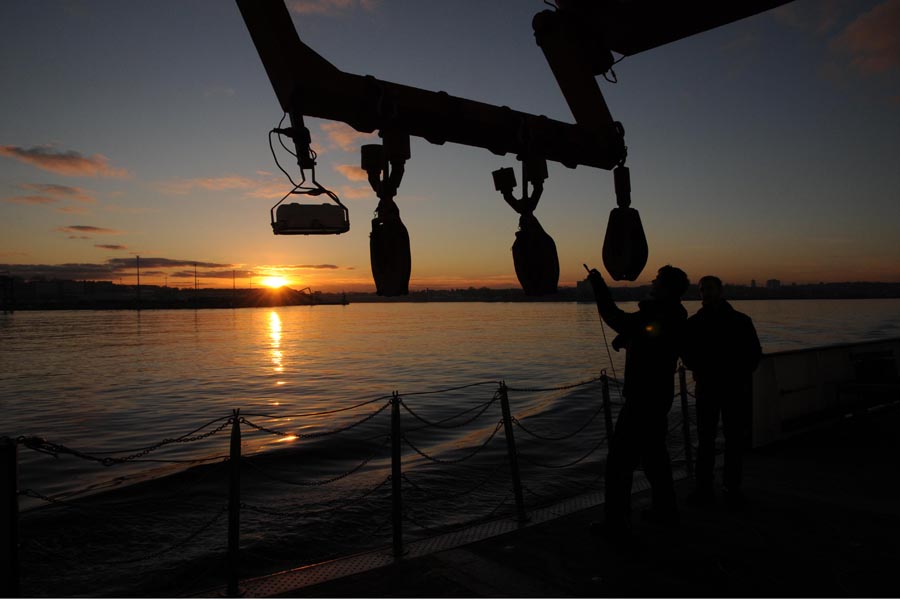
(767, 148)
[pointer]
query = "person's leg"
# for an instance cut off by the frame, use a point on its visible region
(620, 464)
(707, 425)
(658, 468)
(736, 423)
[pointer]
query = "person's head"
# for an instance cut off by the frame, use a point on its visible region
(710, 290)
(670, 284)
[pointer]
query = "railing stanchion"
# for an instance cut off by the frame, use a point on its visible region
(685, 421)
(234, 505)
(396, 477)
(607, 407)
(513, 456)
(9, 517)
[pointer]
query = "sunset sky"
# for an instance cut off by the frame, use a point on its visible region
(768, 148)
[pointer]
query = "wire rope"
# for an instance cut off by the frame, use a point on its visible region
(458, 460)
(318, 413)
(440, 424)
(569, 464)
(581, 428)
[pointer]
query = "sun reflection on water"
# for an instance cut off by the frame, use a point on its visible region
(275, 353)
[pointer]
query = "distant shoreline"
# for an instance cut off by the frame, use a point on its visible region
(85, 295)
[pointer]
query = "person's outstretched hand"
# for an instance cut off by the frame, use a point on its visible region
(595, 278)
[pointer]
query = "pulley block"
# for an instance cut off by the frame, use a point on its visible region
(625, 245)
(390, 255)
(535, 258)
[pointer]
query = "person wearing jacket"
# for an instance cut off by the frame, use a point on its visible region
(722, 349)
(652, 337)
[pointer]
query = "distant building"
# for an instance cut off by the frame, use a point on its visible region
(753, 283)
(773, 284)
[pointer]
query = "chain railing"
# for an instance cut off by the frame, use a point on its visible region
(396, 438)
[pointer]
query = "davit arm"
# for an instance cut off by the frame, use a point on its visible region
(306, 83)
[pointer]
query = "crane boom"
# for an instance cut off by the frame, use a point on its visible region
(306, 83)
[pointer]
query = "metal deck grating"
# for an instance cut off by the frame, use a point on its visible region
(294, 579)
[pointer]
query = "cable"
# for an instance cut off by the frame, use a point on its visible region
(316, 414)
(165, 441)
(281, 141)
(278, 164)
(450, 389)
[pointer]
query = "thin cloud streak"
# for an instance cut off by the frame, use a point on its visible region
(269, 187)
(158, 263)
(70, 163)
(309, 267)
(180, 187)
(821, 16)
(352, 172)
(107, 270)
(330, 8)
(72, 209)
(356, 193)
(33, 200)
(51, 193)
(345, 137)
(54, 190)
(88, 229)
(873, 39)
(229, 274)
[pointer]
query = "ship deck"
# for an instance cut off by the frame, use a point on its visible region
(821, 520)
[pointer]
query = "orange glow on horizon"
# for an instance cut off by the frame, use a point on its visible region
(274, 282)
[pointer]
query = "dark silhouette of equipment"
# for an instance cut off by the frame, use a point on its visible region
(389, 241)
(577, 37)
(305, 219)
(534, 251)
(625, 246)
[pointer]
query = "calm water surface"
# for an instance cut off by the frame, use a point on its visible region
(110, 377)
(114, 380)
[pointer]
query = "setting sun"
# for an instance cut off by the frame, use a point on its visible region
(274, 282)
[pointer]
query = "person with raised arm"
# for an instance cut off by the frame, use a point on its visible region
(652, 339)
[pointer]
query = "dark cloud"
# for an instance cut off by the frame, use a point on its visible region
(108, 270)
(161, 263)
(213, 274)
(63, 271)
(111, 246)
(88, 229)
(62, 192)
(69, 163)
(174, 268)
(305, 267)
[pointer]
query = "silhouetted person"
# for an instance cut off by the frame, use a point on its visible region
(722, 349)
(651, 337)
